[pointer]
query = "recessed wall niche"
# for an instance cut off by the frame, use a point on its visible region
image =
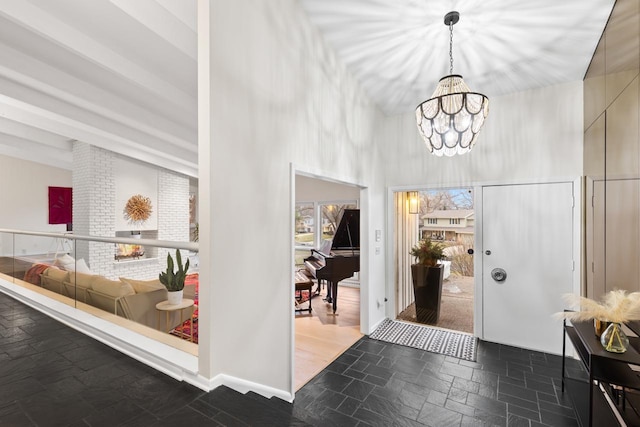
(131, 179)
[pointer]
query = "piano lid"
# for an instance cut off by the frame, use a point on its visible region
(348, 233)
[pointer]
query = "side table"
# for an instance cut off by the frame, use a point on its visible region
(170, 308)
(610, 397)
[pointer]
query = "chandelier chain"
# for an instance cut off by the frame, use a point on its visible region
(451, 47)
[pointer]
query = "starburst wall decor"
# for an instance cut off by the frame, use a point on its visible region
(138, 209)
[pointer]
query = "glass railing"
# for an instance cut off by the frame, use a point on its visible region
(116, 279)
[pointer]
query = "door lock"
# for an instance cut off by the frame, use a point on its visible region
(487, 252)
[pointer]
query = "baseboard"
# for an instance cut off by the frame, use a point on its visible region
(164, 358)
(374, 327)
(243, 386)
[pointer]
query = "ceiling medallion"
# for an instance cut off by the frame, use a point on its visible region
(450, 121)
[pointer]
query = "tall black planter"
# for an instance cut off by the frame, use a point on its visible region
(427, 289)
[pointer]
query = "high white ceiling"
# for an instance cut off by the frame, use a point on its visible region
(121, 74)
(399, 49)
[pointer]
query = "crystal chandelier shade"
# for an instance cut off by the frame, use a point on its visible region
(450, 120)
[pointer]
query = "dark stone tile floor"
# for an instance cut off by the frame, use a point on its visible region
(51, 375)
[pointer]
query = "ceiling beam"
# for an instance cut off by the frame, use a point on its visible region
(46, 120)
(48, 26)
(162, 22)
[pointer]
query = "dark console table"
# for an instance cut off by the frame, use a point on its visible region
(611, 396)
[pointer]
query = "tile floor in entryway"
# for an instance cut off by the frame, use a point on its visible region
(51, 375)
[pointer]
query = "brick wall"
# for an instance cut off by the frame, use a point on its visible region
(173, 210)
(94, 213)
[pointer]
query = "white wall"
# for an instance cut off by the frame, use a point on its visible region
(318, 190)
(277, 97)
(25, 196)
(530, 135)
(131, 178)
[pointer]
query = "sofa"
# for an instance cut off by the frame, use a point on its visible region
(128, 298)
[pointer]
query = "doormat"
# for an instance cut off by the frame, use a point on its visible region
(449, 343)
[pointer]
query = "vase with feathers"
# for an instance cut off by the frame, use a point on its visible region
(616, 308)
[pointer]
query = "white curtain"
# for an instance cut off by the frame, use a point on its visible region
(406, 236)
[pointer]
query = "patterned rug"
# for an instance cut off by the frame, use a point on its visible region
(190, 326)
(462, 346)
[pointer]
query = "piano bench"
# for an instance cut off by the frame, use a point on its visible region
(303, 283)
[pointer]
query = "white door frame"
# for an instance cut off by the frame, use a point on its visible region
(363, 205)
(578, 195)
(478, 304)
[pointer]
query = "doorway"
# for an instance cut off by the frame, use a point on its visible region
(446, 216)
(320, 335)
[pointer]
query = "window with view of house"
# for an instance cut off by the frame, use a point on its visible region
(305, 224)
(316, 222)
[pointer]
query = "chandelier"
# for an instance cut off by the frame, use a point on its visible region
(449, 122)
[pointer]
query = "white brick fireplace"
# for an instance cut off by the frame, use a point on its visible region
(96, 209)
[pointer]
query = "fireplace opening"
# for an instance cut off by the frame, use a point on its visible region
(124, 251)
(129, 252)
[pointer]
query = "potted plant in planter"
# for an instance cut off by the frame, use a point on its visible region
(427, 277)
(174, 281)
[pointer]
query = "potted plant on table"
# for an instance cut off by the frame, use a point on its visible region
(174, 281)
(427, 277)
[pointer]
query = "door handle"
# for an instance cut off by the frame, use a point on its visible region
(499, 275)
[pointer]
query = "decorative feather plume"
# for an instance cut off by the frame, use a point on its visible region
(618, 307)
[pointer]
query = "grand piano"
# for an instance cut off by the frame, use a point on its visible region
(339, 260)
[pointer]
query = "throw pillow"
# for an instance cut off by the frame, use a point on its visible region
(82, 267)
(63, 260)
(113, 288)
(142, 286)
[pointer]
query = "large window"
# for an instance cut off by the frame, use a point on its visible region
(316, 222)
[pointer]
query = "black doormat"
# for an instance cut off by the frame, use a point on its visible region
(449, 343)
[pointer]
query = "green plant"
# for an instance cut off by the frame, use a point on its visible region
(427, 252)
(174, 281)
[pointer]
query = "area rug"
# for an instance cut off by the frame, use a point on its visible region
(462, 346)
(190, 326)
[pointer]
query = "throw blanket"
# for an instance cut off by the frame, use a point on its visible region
(32, 275)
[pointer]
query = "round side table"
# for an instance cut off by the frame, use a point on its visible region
(170, 308)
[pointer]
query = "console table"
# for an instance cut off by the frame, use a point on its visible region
(611, 396)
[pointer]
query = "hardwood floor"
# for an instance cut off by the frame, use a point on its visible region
(322, 336)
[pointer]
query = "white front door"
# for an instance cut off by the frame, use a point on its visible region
(527, 231)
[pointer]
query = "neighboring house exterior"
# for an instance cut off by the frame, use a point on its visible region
(305, 224)
(451, 225)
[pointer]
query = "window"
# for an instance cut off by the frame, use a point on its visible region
(331, 214)
(315, 222)
(432, 220)
(305, 224)
(454, 220)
